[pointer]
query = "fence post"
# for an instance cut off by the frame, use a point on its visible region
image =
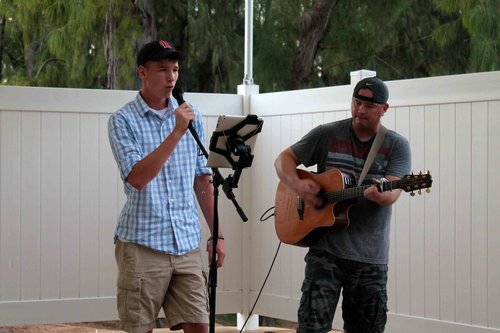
(359, 75)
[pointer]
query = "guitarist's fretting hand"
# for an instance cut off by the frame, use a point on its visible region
(385, 198)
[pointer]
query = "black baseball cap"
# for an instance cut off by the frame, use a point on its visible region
(158, 50)
(378, 88)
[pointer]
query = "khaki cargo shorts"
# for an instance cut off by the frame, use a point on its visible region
(149, 280)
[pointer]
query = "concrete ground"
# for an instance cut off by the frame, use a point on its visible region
(83, 328)
(226, 329)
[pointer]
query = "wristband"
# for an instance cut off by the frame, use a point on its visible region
(211, 238)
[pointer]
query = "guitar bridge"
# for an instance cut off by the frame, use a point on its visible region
(300, 207)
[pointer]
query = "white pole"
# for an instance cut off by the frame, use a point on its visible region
(248, 79)
(247, 89)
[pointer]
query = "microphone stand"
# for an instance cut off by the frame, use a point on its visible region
(218, 180)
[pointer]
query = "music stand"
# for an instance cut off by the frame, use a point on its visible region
(232, 143)
(231, 146)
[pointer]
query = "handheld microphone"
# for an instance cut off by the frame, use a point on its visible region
(178, 94)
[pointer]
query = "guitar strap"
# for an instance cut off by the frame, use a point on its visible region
(379, 138)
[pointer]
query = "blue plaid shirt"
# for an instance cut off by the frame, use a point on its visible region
(163, 215)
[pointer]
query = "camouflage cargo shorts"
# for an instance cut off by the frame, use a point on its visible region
(364, 294)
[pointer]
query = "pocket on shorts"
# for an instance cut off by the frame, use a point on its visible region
(381, 315)
(207, 291)
(129, 298)
(305, 301)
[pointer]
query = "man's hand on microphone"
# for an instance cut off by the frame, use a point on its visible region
(184, 114)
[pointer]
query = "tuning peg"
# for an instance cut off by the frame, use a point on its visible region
(419, 192)
(412, 193)
(428, 190)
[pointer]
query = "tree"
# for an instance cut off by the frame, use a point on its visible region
(215, 45)
(20, 45)
(50, 42)
(481, 20)
(2, 42)
(365, 35)
(297, 43)
(313, 26)
(276, 34)
(110, 55)
(399, 46)
(144, 10)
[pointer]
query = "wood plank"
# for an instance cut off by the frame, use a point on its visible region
(10, 205)
(493, 177)
(389, 121)
(50, 212)
(108, 217)
(70, 205)
(417, 215)
(463, 213)
(30, 206)
(447, 245)
(479, 213)
(89, 205)
(401, 212)
(431, 222)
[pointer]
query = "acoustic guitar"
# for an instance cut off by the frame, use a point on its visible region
(298, 223)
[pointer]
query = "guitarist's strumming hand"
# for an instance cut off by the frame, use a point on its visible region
(305, 188)
(308, 190)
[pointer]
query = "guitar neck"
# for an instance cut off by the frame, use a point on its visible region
(355, 192)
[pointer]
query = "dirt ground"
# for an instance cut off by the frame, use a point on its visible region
(106, 326)
(98, 327)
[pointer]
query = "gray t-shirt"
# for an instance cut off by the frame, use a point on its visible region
(334, 145)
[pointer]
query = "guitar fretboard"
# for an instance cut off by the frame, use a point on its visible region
(355, 192)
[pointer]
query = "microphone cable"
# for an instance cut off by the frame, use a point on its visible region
(262, 219)
(261, 288)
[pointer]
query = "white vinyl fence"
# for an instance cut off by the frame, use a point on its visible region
(61, 194)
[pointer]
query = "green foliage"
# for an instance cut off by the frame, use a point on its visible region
(59, 40)
(215, 45)
(61, 43)
(481, 21)
(276, 34)
(128, 31)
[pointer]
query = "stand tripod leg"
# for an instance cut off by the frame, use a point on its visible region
(212, 281)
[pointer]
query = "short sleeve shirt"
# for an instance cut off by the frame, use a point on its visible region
(335, 146)
(163, 215)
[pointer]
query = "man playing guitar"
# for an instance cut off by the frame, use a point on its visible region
(354, 259)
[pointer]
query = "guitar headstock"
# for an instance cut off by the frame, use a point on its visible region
(416, 182)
